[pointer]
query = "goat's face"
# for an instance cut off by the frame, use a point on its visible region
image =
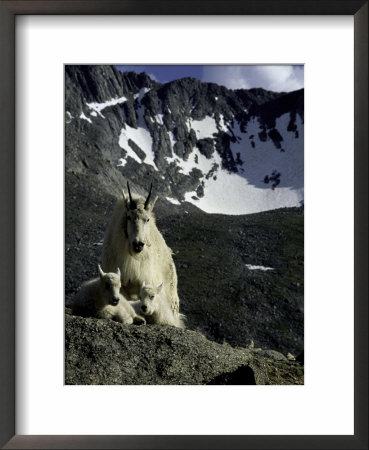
(110, 286)
(149, 298)
(137, 225)
(137, 220)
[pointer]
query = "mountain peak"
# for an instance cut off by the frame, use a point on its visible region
(225, 151)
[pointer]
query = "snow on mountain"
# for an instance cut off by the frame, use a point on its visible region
(141, 137)
(84, 117)
(204, 128)
(173, 200)
(122, 162)
(229, 152)
(263, 268)
(141, 93)
(266, 178)
(98, 107)
(246, 192)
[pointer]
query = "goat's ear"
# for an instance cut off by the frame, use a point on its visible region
(152, 204)
(159, 288)
(101, 273)
(118, 272)
(143, 284)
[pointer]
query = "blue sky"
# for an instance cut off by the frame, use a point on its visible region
(272, 77)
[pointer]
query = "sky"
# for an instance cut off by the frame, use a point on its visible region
(278, 78)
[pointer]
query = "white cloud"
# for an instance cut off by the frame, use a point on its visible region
(274, 78)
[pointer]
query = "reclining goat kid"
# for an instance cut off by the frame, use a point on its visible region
(101, 298)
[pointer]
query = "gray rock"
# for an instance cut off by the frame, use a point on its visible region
(206, 147)
(106, 352)
(272, 354)
(139, 152)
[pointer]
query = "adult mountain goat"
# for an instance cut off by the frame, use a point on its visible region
(134, 244)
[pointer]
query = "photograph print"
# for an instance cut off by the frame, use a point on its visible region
(184, 224)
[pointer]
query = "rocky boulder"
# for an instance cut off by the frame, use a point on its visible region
(106, 352)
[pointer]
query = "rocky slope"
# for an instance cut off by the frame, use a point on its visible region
(105, 352)
(220, 293)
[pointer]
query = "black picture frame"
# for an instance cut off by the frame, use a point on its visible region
(8, 12)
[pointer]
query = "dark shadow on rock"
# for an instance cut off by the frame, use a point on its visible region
(243, 375)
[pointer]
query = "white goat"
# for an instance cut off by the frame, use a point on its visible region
(154, 306)
(134, 244)
(101, 298)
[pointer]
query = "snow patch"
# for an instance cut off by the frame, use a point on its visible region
(98, 107)
(141, 93)
(82, 116)
(122, 162)
(172, 139)
(252, 267)
(141, 137)
(173, 200)
(231, 193)
(223, 126)
(204, 128)
(159, 119)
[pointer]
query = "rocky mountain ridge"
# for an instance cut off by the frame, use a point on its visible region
(192, 139)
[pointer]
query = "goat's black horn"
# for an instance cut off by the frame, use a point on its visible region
(148, 197)
(130, 196)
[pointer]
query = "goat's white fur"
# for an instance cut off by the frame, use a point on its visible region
(101, 298)
(153, 264)
(154, 306)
